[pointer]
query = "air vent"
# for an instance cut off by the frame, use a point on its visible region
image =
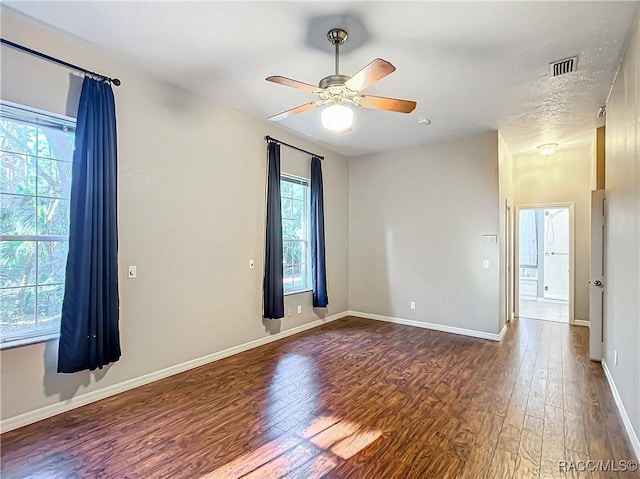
(561, 67)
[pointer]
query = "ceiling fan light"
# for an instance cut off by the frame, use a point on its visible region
(337, 118)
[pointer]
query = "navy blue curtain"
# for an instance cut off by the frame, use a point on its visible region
(273, 294)
(89, 335)
(318, 263)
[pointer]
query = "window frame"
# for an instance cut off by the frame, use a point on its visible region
(37, 118)
(306, 220)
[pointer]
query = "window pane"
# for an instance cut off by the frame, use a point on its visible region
(287, 229)
(17, 310)
(17, 263)
(18, 137)
(292, 252)
(297, 209)
(287, 280)
(17, 174)
(298, 192)
(35, 186)
(298, 230)
(299, 277)
(299, 253)
(286, 208)
(294, 227)
(49, 306)
(52, 261)
(55, 143)
(54, 178)
(286, 252)
(17, 215)
(285, 188)
(53, 217)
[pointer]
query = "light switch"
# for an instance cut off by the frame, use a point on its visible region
(485, 264)
(252, 264)
(133, 272)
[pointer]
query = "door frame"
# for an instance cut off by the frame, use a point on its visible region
(509, 263)
(572, 249)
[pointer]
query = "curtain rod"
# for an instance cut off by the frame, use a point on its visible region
(115, 81)
(273, 140)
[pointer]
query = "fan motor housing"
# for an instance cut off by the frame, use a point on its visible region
(333, 80)
(337, 36)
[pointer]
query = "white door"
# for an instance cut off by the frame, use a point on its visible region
(556, 254)
(596, 285)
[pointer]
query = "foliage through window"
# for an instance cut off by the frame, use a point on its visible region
(36, 150)
(295, 233)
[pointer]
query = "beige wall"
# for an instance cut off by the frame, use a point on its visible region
(564, 177)
(191, 215)
(622, 240)
(417, 218)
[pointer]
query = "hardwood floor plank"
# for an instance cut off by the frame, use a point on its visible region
(530, 452)
(512, 428)
(316, 468)
(482, 452)
(621, 450)
(538, 393)
(503, 465)
(553, 450)
(578, 459)
(575, 438)
(351, 399)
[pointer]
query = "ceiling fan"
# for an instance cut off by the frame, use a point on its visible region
(338, 91)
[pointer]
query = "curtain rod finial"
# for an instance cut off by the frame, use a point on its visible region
(116, 82)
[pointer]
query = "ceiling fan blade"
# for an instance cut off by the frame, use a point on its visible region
(389, 104)
(293, 111)
(374, 71)
(294, 83)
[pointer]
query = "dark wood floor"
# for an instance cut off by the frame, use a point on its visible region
(352, 399)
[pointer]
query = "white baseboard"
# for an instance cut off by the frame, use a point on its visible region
(581, 322)
(30, 417)
(437, 327)
(633, 437)
(503, 331)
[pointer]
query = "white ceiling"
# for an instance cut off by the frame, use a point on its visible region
(471, 66)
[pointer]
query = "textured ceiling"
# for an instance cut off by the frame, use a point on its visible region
(471, 66)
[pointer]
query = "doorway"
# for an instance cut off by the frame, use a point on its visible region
(545, 262)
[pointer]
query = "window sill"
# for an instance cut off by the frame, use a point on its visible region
(26, 341)
(298, 292)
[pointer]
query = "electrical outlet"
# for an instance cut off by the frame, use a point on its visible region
(288, 311)
(299, 309)
(615, 357)
(413, 305)
(252, 264)
(133, 272)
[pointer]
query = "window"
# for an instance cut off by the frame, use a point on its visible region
(36, 150)
(295, 233)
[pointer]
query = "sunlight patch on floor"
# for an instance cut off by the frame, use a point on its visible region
(319, 448)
